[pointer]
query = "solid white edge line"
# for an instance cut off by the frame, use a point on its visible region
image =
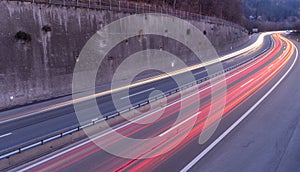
(220, 138)
(109, 131)
(244, 50)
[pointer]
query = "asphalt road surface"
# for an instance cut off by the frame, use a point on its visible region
(177, 146)
(26, 129)
(267, 140)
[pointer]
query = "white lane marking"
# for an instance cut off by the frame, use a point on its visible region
(166, 132)
(270, 66)
(199, 73)
(220, 138)
(253, 46)
(247, 83)
(125, 125)
(4, 135)
(135, 94)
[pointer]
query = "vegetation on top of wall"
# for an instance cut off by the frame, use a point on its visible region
(231, 11)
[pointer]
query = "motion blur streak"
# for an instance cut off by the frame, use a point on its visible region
(242, 84)
(236, 97)
(256, 45)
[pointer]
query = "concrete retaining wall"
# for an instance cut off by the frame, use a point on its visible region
(40, 44)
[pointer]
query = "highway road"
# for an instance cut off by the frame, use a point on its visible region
(18, 131)
(247, 87)
(268, 139)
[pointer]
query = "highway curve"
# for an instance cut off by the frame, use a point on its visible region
(245, 86)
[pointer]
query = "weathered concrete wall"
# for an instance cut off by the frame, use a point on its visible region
(39, 46)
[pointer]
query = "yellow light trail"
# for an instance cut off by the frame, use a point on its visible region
(257, 44)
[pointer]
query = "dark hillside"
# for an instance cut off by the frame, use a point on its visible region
(225, 9)
(272, 14)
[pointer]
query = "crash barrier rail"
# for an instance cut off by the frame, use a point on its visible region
(6, 153)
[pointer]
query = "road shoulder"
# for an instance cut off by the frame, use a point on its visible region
(267, 139)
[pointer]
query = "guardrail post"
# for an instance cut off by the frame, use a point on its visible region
(119, 6)
(136, 8)
(64, 2)
(100, 4)
(109, 4)
(89, 3)
(76, 2)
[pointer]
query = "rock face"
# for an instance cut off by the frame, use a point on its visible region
(40, 45)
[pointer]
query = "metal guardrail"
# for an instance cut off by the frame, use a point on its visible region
(68, 131)
(130, 7)
(134, 8)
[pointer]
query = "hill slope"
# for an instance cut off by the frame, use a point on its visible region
(216, 8)
(272, 14)
(272, 10)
